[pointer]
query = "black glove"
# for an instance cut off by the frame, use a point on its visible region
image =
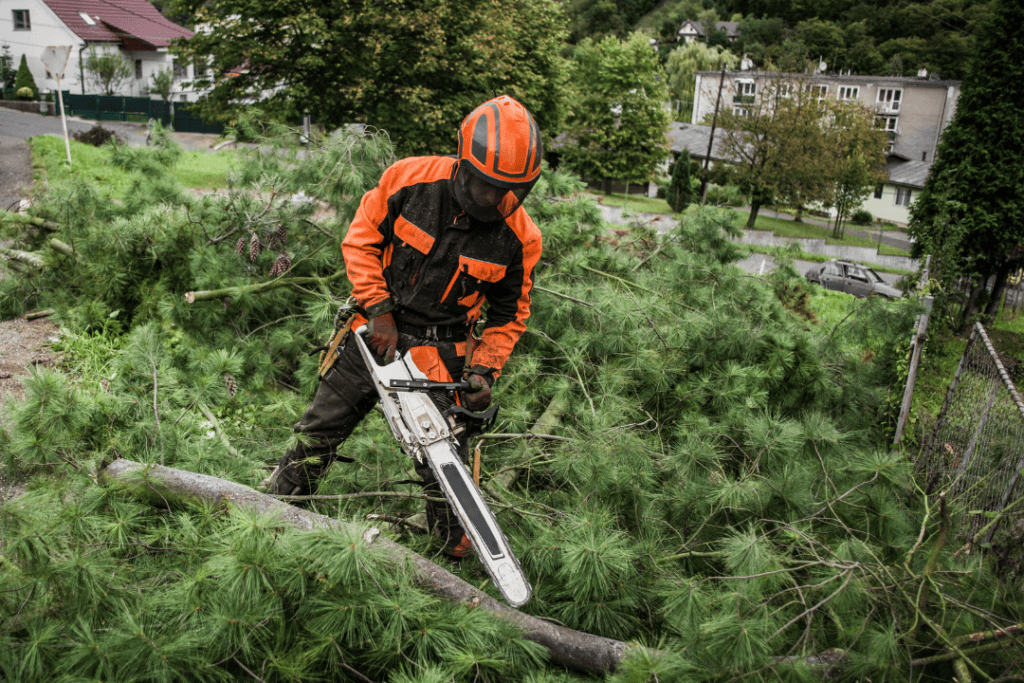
(478, 396)
(383, 335)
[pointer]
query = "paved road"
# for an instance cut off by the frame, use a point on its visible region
(17, 126)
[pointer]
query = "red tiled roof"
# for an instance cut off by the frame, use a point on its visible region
(116, 18)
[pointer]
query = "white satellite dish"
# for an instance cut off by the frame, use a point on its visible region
(55, 59)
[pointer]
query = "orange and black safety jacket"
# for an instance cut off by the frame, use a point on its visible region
(410, 249)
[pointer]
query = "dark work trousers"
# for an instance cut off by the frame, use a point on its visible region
(343, 398)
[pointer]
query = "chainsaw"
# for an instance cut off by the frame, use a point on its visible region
(429, 435)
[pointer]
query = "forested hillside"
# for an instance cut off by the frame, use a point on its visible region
(863, 36)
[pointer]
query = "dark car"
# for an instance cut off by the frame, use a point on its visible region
(852, 278)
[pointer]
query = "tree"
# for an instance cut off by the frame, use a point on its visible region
(24, 79)
(163, 84)
(971, 209)
(109, 70)
(413, 71)
(680, 190)
(8, 74)
(775, 139)
(616, 128)
(681, 69)
(855, 152)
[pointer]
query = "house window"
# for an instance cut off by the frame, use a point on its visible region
(745, 91)
(903, 196)
(741, 111)
(889, 99)
(138, 69)
(924, 156)
(818, 92)
(183, 98)
(87, 19)
(887, 123)
(21, 20)
(784, 90)
(849, 92)
(180, 70)
(878, 191)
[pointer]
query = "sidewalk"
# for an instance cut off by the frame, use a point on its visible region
(893, 238)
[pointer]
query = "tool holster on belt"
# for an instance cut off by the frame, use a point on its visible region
(342, 326)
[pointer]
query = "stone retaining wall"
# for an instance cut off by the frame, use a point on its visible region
(29, 106)
(837, 251)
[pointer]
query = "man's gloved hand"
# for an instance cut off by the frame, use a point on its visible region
(383, 335)
(478, 396)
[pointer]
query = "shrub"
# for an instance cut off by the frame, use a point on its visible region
(24, 94)
(24, 80)
(97, 136)
(862, 217)
(680, 191)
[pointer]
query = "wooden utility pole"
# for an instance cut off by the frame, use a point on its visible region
(711, 140)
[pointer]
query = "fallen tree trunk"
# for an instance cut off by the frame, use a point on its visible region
(164, 486)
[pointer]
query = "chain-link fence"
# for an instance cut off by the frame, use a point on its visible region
(976, 452)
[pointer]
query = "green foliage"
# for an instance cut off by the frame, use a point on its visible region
(8, 73)
(681, 69)
(163, 84)
(680, 190)
(724, 491)
(616, 130)
(24, 79)
(412, 71)
(968, 215)
(792, 146)
(108, 70)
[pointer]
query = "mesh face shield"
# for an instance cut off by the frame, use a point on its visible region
(484, 199)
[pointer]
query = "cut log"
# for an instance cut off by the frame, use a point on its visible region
(164, 486)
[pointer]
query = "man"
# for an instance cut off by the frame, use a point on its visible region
(430, 244)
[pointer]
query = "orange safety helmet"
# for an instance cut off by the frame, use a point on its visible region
(499, 159)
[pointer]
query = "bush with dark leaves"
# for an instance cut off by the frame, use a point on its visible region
(97, 136)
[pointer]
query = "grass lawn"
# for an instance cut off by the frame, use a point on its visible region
(787, 228)
(777, 226)
(194, 169)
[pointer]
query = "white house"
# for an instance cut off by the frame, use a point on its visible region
(132, 27)
(692, 30)
(891, 201)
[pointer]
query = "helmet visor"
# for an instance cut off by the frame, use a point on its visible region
(484, 201)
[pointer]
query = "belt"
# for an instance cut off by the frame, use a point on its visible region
(435, 332)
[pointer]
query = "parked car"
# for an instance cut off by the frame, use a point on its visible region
(852, 278)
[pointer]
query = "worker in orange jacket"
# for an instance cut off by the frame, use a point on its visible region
(431, 244)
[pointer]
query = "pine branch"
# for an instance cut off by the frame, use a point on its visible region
(220, 432)
(564, 296)
(526, 435)
(162, 485)
(543, 427)
(259, 288)
(25, 219)
(62, 248)
(25, 257)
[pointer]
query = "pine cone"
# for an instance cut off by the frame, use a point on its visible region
(254, 247)
(281, 265)
(231, 384)
(240, 248)
(226, 302)
(279, 237)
